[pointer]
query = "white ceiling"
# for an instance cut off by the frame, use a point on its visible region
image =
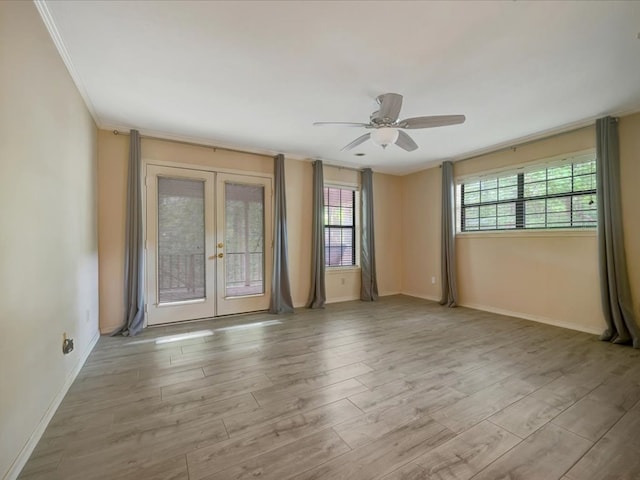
(255, 75)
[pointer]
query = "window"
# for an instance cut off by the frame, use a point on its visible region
(555, 195)
(339, 227)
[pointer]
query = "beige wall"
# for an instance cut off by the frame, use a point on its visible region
(629, 129)
(341, 284)
(421, 205)
(113, 153)
(388, 217)
(550, 277)
(545, 276)
(48, 244)
(299, 200)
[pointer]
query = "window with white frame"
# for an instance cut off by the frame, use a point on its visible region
(340, 217)
(547, 195)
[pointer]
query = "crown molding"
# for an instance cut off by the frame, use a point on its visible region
(47, 18)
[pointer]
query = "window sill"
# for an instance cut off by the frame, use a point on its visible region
(561, 232)
(336, 270)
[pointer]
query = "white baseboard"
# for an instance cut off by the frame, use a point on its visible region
(22, 458)
(342, 299)
(421, 295)
(535, 318)
(388, 294)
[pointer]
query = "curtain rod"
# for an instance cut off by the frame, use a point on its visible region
(341, 167)
(528, 142)
(195, 144)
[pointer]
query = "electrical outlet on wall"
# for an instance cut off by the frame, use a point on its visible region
(433, 280)
(67, 344)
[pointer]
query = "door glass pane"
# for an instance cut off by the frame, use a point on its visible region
(243, 239)
(181, 249)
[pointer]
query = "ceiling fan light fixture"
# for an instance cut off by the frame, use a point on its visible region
(384, 136)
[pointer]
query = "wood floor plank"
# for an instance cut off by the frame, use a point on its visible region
(152, 412)
(241, 422)
(384, 455)
(589, 418)
(225, 454)
(608, 460)
(466, 454)
(172, 469)
(525, 416)
(141, 452)
(465, 413)
(626, 430)
(289, 460)
(409, 471)
(357, 390)
(546, 455)
(394, 413)
(615, 456)
(195, 391)
(304, 383)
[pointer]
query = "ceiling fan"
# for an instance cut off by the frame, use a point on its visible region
(387, 129)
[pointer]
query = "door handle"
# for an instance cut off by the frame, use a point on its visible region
(220, 255)
(220, 245)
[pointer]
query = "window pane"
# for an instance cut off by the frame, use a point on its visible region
(536, 176)
(472, 187)
(553, 203)
(559, 219)
(584, 182)
(584, 202)
(507, 209)
(508, 193)
(471, 212)
(244, 239)
(561, 185)
(472, 224)
(507, 222)
(562, 204)
(537, 189)
(508, 181)
(339, 231)
(535, 221)
(559, 172)
(488, 223)
(534, 206)
(471, 197)
(584, 168)
(489, 195)
(181, 240)
(487, 184)
(347, 217)
(487, 211)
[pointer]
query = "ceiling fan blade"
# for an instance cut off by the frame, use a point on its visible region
(341, 124)
(406, 142)
(430, 122)
(390, 105)
(356, 142)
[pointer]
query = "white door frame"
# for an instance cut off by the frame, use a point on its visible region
(240, 304)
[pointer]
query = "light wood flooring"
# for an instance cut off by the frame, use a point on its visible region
(398, 389)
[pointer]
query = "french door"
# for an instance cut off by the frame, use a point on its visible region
(208, 244)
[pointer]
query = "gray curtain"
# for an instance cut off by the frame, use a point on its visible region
(134, 248)
(280, 289)
(368, 284)
(448, 244)
(614, 281)
(318, 295)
